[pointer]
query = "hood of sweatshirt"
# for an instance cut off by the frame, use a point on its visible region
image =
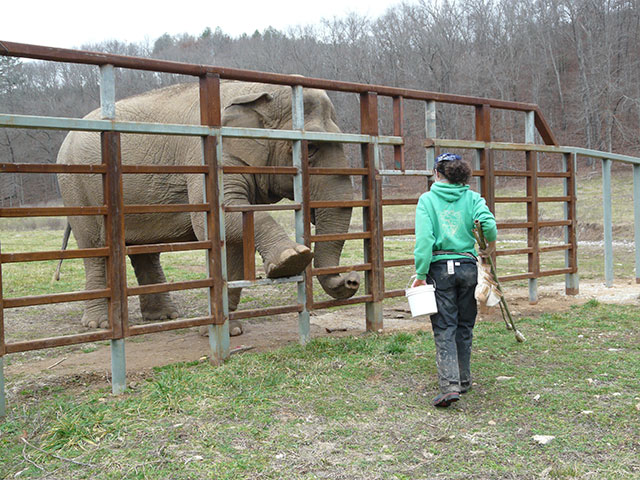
(448, 192)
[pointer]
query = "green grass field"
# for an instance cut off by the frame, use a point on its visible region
(357, 408)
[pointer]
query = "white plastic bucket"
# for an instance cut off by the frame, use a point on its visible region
(422, 300)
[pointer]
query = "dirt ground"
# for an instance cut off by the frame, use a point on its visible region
(89, 365)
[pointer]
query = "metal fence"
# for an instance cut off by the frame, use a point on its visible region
(212, 132)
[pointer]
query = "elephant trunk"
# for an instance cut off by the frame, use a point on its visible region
(327, 254)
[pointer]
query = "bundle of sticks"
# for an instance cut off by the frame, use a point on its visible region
(504, 308)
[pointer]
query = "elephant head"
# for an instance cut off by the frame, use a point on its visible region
(265, 106)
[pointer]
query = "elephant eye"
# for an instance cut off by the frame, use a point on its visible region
(312, 148)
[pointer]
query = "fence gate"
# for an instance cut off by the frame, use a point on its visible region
(211, 132)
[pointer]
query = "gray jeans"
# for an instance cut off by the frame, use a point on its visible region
(453, 324)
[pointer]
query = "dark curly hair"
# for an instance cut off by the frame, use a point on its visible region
(455, 171)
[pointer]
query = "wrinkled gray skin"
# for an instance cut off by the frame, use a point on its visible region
(244, 105)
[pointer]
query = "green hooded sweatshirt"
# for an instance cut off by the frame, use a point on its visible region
(445, 218)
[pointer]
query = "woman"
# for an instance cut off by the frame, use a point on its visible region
(445, 252)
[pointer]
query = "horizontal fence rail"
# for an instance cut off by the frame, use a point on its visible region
(213, 207)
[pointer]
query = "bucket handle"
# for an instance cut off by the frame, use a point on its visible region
(428, 277)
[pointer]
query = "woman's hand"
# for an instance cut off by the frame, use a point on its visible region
(417, 283)
(486, 252)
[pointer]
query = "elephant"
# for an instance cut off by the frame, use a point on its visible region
(247, 105)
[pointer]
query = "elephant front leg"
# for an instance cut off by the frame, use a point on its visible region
(282, 257)
(154, 306)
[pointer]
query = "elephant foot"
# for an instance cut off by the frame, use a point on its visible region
(95, 320)
(291, 262)
(160, 313)
(235, 329)
(157, 307)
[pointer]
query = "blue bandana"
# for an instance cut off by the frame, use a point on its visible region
(447, 157)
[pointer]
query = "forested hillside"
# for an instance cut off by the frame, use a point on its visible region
(577, 59)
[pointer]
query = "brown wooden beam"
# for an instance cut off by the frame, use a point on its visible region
(115, 235)
(248, 246)
(53, 255)
(32, 300)
(210, 115)
(50, 168)
(29, 345)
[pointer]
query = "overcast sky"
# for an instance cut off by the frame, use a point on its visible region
(70, 23)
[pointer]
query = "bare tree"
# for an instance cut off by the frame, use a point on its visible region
(577, 59)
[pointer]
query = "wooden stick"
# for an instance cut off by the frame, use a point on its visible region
(57, 363)
(482, 243)
(240, 349)
(65, 459)
(331, 330)
(506, 322)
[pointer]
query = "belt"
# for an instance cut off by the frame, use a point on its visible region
(464, 254)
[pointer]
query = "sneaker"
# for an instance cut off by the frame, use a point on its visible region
(465, 387)
(445, 399)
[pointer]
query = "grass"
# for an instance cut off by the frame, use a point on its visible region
(357, 408)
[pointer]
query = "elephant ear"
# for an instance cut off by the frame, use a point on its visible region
(247, 111)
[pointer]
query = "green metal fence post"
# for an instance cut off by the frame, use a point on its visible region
(3, 399)
(297, 105)
(219, 340)
(213, 196)
(372, 214)
(118, 366)
(476, 166)
(636, 216)
(118, 357)
(107, 92)
(430, 131)
(532, 208)
(608, 222)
